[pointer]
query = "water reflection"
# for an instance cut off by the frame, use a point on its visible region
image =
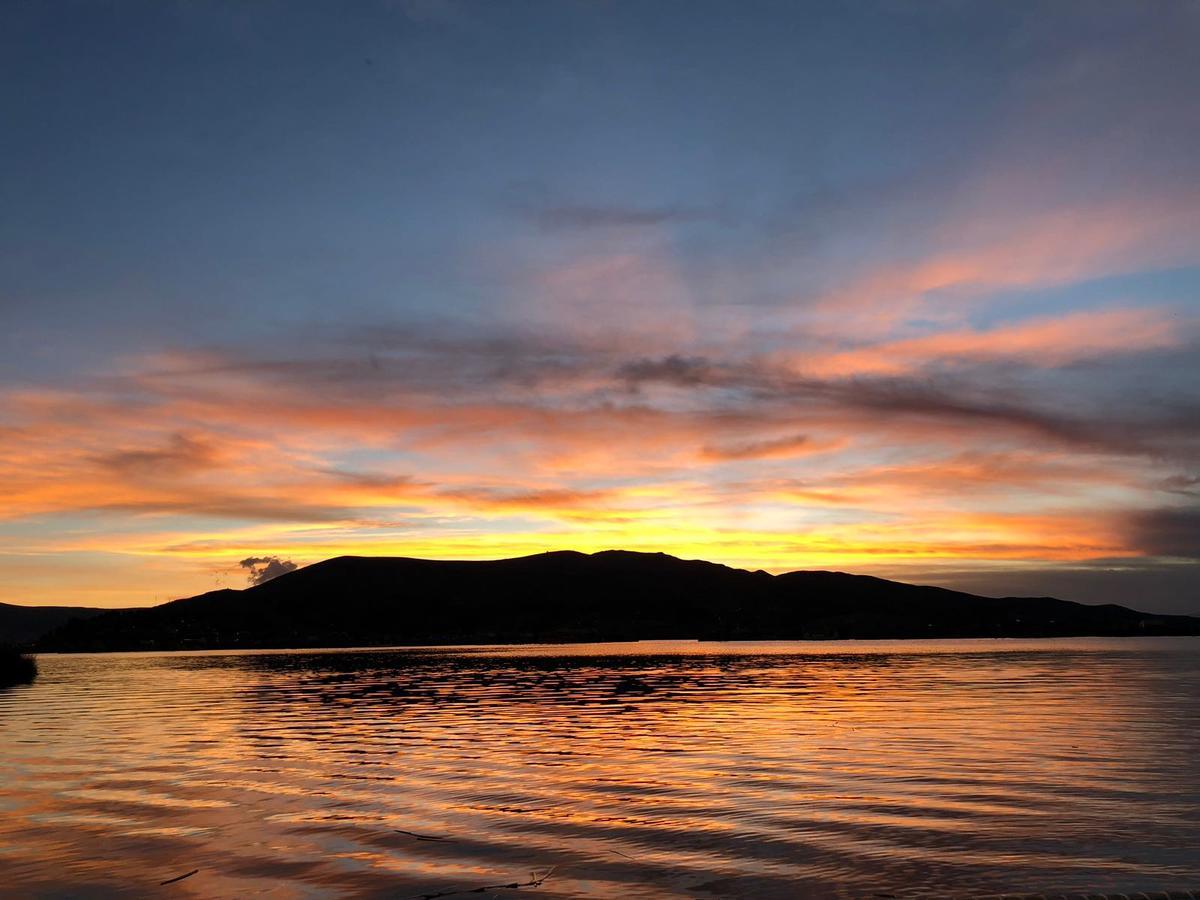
(689, 770)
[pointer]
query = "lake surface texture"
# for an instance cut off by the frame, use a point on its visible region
(683, 770)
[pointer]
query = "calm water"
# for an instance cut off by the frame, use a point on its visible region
(634, 770)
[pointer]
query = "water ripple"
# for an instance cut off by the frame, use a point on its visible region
(648, 770)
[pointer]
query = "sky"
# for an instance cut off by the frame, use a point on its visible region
(901, 288)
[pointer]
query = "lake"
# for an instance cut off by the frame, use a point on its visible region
(656, 770)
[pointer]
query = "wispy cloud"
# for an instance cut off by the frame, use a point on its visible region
(520, 436)
(1167, 531)
(1043, 342)
(580, 216)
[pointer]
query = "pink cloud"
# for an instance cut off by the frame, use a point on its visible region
(1045, 342)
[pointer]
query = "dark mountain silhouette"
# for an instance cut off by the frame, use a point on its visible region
(25, 624)
(568, 596)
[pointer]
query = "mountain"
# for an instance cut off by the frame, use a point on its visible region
(25, 624)
(568, 596)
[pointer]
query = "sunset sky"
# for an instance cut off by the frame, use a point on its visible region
(909, 289)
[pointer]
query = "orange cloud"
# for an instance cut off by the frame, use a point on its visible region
(196, 460)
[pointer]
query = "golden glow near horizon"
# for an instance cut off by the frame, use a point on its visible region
(156, 480)
(158, 485)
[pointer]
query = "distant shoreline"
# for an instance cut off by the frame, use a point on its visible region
(681, 642)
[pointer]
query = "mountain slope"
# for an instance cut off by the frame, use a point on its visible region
(568, 596)
(26, 624)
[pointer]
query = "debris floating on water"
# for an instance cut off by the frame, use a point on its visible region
(178, 877)
(422, 837)
(535, 880)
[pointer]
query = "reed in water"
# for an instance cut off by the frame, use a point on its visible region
(16, 667)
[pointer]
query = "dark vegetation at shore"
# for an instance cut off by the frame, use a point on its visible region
(567, 596)
(16, 667)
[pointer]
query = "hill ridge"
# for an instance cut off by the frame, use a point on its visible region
(571, 596)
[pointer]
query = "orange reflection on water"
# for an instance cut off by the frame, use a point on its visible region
(638, 770)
